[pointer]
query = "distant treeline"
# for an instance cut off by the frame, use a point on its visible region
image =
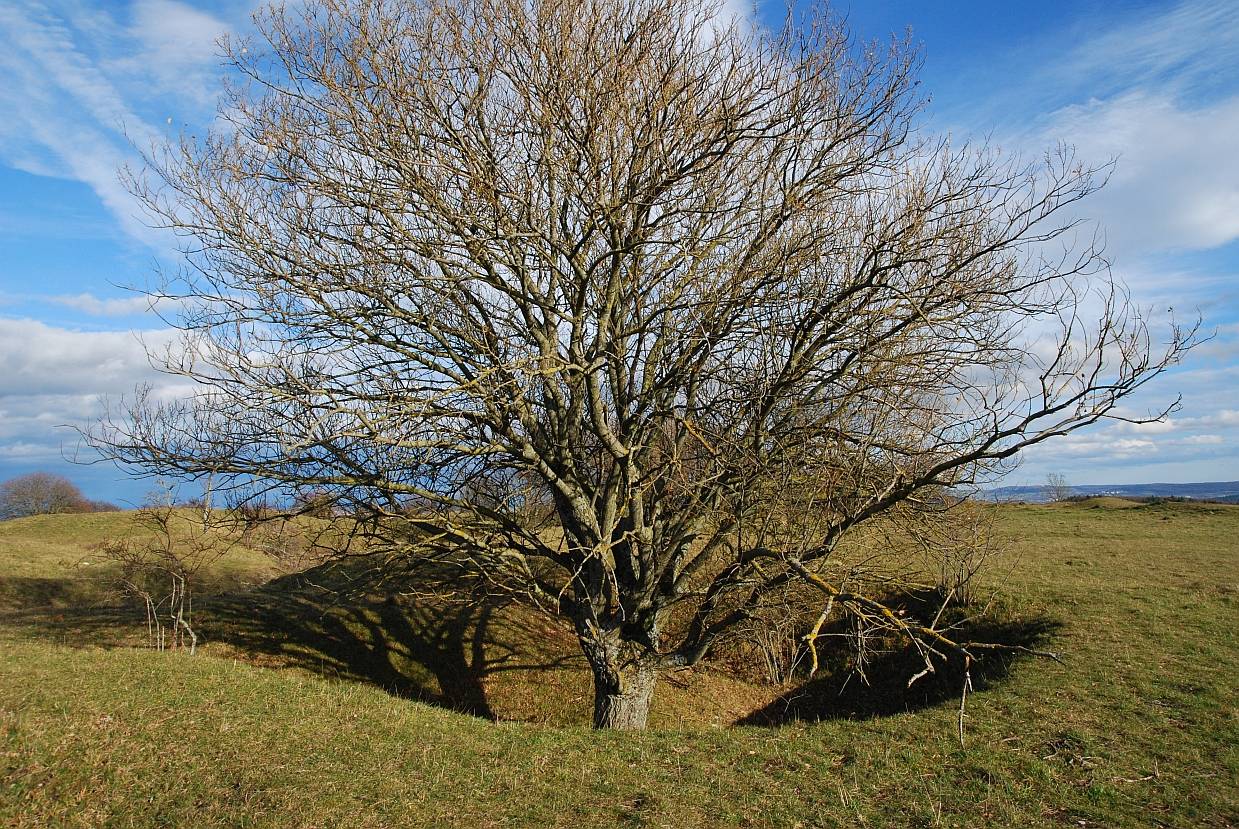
(1226, 492)
(1161, 499)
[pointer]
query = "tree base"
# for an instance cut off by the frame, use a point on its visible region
(622, 702)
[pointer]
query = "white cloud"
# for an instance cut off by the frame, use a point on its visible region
(1203, 446)
(111, 307)
(1153, 427)
(1175, 185)
(177, 48)
(59, 377)
(1204, 440)
(63, 115)
(177, 34)
(42, 359)
(743, 12)
(1225, 417)
(81, 88)
(1156, 93)
(1189, 45)
(28, 452)
(1095, 445)
(45, 40)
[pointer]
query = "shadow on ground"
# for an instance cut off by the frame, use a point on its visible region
(492, 659)
(88, 587)
(841, 692)
(22, 593)
(435, 647)
(431, 646)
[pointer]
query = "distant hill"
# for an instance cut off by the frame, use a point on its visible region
(1211, 491)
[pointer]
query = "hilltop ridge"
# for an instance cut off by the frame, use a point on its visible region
(1205, 491)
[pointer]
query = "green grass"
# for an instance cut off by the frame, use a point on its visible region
(53, 561)
(297, 714)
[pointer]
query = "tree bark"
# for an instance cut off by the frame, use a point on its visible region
(624, 678)
(622, 697)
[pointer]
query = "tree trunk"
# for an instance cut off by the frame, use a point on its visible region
(624, 677)
(622, 697)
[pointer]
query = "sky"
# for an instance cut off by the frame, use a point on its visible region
(1153, 86)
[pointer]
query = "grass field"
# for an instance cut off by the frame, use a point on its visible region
(303, 710)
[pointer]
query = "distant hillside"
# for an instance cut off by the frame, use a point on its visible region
(1212, 491)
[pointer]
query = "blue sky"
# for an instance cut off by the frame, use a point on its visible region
(1154, 85)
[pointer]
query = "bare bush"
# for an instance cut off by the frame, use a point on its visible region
(161, 566)
(291, 543)
(773, 638)
(956, 541)
(1057, 488)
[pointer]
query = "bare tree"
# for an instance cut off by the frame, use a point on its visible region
(627, 310)
(42, 493)
(1056, 487)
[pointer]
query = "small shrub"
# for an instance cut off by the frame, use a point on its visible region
(956, 541)
(161, 569)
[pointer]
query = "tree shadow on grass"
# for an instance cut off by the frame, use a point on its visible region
(424, 640)
(436, 646)
(85, 608)
(840, 692)
(23, 593)
(87, 588)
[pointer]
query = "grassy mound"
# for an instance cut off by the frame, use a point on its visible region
(305, 711)
(1106, 502)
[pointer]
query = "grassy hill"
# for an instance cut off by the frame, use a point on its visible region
(308, 709)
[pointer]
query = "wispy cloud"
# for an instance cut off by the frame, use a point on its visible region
(84, 85)
(1157, 93)
(1154, 90)
(1200, 442)
(1175, 184)
(176, 47)
(110, 307)
(1192, 47)
(43, 359)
